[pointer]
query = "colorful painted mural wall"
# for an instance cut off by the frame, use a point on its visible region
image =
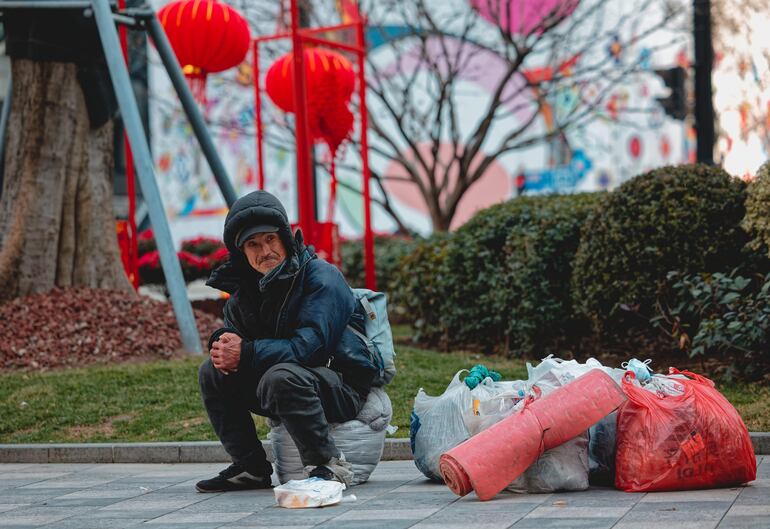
(628, 133)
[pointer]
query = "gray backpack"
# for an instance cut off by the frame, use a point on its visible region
(379, 337)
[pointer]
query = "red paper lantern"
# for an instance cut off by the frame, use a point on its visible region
(207, 36)
(329, 82)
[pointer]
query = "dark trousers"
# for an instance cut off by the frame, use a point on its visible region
(304, 399)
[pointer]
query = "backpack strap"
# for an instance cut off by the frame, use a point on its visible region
(358, 333)
(370, 312)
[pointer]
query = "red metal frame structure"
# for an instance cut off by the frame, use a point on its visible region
(308, 221)
(132, 267)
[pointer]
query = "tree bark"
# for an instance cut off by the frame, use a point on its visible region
(57, 226)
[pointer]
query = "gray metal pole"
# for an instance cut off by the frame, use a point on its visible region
(158, 36)
(7, 102)
(144, 169)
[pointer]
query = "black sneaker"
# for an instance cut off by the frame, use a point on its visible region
(234, 477)
(323, 473)
(336, 469)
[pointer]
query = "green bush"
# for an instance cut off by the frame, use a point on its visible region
(501, 279)
(539, 259)
(757, 219)
(719, 316)
(684, 218)
(420, 285)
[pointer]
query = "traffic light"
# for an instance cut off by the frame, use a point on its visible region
(521, 184)
(675, 104)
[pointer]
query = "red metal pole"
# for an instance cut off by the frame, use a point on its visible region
(370, 278)
(258, 115)
(276, 36)
(133, 268)
(328, 29)
(305, 197)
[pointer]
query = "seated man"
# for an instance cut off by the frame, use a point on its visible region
(285, 352)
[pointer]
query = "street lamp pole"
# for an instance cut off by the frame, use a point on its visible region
(704, 59)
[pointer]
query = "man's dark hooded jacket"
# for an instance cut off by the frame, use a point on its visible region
(296, 313)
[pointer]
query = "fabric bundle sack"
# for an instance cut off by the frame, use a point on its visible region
(437, 422)
(691, 438)
(361, 440)
(601, 451)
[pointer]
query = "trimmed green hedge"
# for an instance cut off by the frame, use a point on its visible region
(757, 219)
(684, 218)
(501, 281)
(540, 258)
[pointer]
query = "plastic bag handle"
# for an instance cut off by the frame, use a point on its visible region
(695, 376)
(456, 379)
(647, 399)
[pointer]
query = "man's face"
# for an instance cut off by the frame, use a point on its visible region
(264, 251)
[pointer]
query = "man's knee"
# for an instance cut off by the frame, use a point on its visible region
(283, 378)
(207, 376)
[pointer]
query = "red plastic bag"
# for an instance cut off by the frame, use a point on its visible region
(695, 440)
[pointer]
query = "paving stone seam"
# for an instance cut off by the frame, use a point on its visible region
(732, 503)
(637, 502)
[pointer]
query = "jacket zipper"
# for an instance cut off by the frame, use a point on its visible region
(291, 287)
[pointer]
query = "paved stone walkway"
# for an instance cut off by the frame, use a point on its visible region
(83, 496)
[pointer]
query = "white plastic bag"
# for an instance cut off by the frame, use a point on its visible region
(311, 492)
(437, 423)
(362, 440)
(562, 468)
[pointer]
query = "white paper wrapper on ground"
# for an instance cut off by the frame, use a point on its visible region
(312, 492)
(361, 440)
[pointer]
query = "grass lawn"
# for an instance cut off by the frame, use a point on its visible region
(159, 401)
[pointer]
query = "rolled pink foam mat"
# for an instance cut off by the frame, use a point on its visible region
(490, 460)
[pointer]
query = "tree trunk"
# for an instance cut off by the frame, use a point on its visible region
(57, 227)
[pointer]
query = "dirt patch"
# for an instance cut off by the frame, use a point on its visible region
(78, 326)
(105, 429)
(186, 424)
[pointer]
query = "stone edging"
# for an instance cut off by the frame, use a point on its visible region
(193, 452)
(174, 452)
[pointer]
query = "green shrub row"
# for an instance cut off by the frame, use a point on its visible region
(498, 282)
(531, 275)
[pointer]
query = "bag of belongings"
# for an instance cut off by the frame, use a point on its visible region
(361, 440)
(678, 432)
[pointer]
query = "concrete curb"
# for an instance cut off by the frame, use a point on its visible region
(175, 452)
(194, 452)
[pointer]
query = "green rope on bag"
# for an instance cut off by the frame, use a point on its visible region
(478, 373)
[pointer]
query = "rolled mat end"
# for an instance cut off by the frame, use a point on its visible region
(454, 475)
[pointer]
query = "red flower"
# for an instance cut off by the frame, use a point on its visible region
(149, 260)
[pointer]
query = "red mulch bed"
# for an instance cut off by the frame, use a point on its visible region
(78, 326)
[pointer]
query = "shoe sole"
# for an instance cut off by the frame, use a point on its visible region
(232, 490)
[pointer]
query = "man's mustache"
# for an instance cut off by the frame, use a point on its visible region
(271, 256)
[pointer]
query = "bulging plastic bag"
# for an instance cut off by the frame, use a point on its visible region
(562, 468)
(437, 422)
(311, 492)
(667, 440)
(362, 440)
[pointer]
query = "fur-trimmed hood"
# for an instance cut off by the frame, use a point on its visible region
(258, 207)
